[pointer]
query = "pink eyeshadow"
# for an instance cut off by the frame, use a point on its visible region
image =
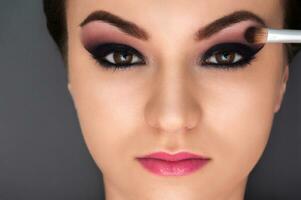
(99, 32)
(234, 33)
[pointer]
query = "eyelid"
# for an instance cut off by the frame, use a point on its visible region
(106, 48)
(237, 47)
(101, 51)
(246, 52)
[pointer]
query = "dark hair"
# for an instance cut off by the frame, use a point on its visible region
(292, 20)
(55, 11)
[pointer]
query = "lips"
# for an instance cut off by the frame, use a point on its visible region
(180, 164)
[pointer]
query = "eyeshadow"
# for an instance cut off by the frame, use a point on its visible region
(214, 55)
(100, 39)
(96, 33)
(243, 49)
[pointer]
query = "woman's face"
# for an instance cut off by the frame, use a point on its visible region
(214, 95)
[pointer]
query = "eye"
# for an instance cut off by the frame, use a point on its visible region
(229, 55)
(224, 57)
(116, 56)
(121, 58)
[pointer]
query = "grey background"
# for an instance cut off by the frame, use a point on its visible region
(42, 151)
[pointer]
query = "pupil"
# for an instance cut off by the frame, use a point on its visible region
(225, 56)
(124, 56)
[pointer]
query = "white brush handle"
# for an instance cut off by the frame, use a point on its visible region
(284, 36)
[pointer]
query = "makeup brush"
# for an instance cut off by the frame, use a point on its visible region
(259, 35)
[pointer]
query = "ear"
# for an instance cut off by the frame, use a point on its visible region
(69, 88)
(282, 90)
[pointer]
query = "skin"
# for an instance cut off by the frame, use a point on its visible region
(171, 104)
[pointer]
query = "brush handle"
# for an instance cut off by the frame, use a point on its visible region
(284, 36)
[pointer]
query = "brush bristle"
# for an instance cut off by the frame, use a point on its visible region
(255, 35)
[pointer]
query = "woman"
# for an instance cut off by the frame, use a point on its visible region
(173, 103)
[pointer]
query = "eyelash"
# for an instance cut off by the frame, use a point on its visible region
(247, 54)
(100, 52)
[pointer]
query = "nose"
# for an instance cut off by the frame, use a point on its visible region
(173, 106)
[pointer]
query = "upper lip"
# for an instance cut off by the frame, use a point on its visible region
(173, 157)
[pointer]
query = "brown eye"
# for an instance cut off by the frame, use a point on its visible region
(116, 56)
(122, 58)
(224, 57)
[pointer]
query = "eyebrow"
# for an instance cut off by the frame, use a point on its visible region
(227, 21)
(134, 30)
(124, 25)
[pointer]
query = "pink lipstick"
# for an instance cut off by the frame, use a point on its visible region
(180, 164)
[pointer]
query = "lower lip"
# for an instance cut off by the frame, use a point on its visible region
(172, 168)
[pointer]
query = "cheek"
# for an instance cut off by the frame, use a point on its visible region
(240, 110)
(105, 105)
(107, 117)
